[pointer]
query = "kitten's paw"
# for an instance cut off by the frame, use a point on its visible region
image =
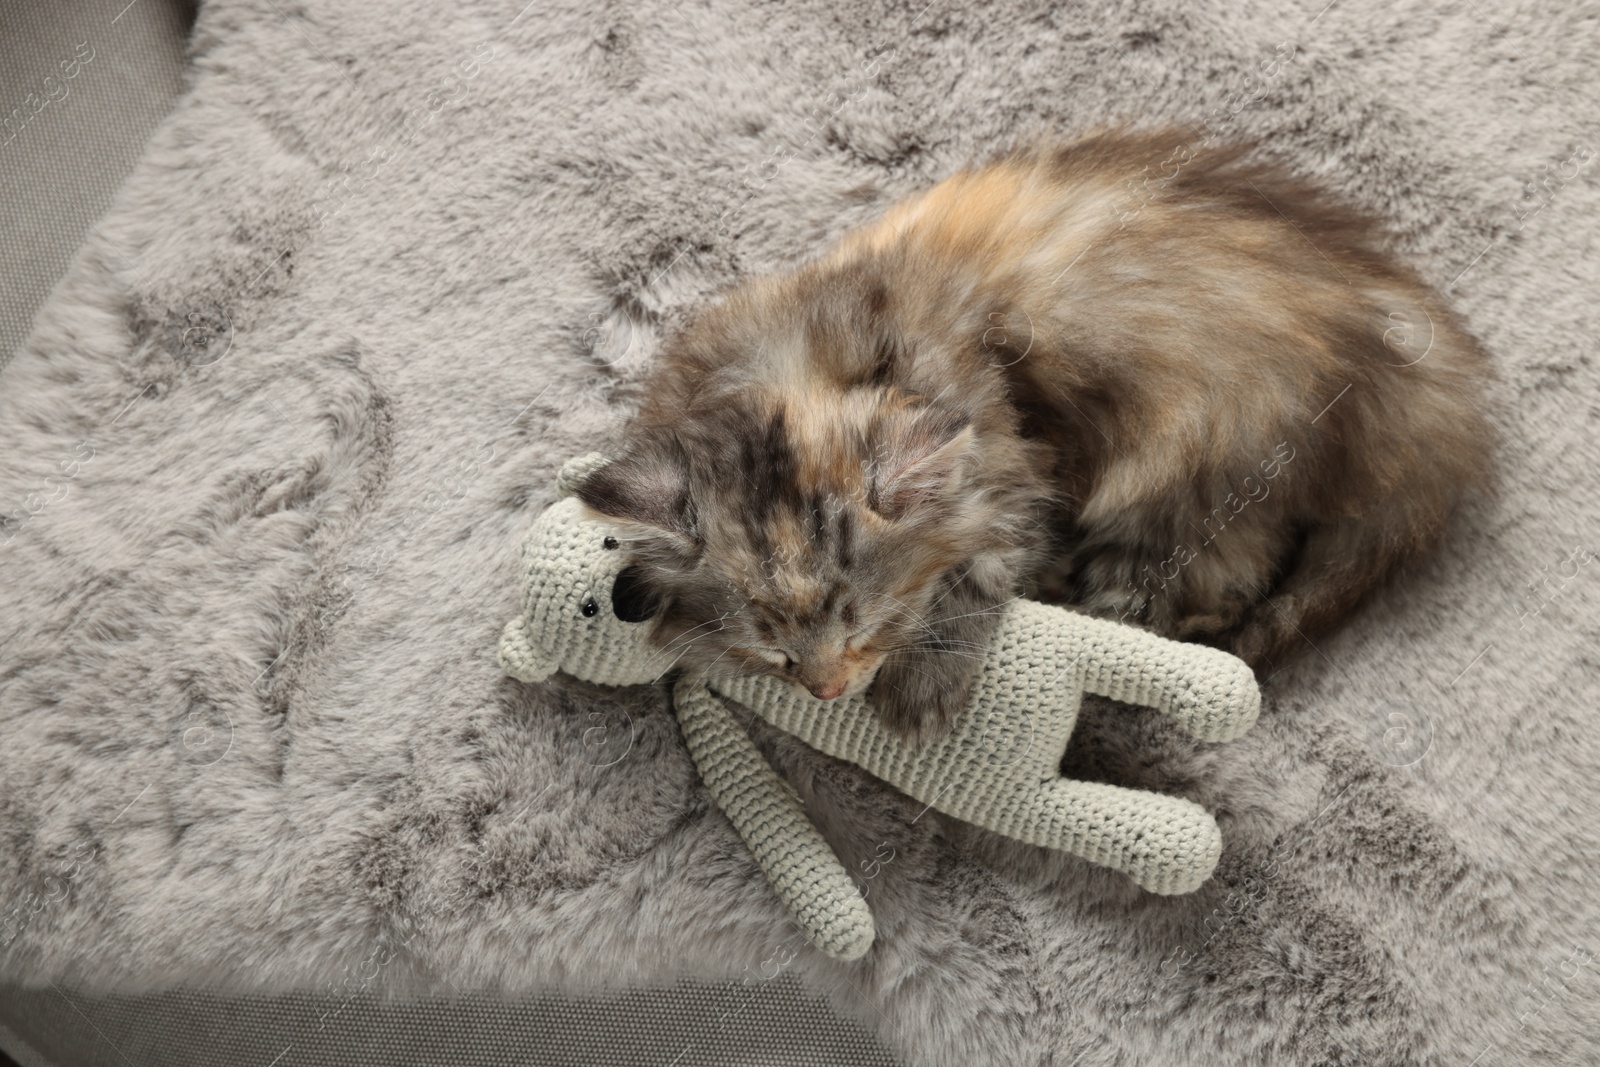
(1204, 628)
(1055, 583)
(1106, 583)
(1269, 639)
(918, 700)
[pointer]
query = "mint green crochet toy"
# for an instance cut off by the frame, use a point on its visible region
(999, 768)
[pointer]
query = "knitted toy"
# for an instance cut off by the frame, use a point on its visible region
(999, 768)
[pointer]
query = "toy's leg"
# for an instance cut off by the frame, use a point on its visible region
(1165, 844)
(813, 885)
(1208, 692)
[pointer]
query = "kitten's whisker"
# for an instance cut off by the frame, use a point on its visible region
(987, 611)
(682, 649)
(687, 643)
(935, 650)
(668, 667)
(942, 642)
(721, 619)
(688, 637)
(922, 672)
(953, 587)
(928, 647)
(917, 619)
(713, 663)
(928, 631)
(683, 652)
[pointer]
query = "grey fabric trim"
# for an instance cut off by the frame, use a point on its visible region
(755, 1023)
(21, 1053)
(60, 166)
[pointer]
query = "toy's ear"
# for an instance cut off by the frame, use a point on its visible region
(917, 458)
(519, 658)
(575, 470)
(648, 487)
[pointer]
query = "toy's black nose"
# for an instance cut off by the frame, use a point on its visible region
(631, 599)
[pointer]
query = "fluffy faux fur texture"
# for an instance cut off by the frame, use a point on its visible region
(252, 729)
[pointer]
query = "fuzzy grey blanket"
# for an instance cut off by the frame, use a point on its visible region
(271, 446)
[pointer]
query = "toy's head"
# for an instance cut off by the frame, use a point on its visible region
(581, 612)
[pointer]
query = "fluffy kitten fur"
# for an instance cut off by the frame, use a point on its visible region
(1168, 382)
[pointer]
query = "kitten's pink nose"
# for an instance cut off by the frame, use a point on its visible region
(827, 690)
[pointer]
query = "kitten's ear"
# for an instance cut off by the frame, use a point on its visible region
(647, 487)
(917, 459)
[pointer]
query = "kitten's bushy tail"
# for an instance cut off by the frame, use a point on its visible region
(1337, 567)
(1381, 479)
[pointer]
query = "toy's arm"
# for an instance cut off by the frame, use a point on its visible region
(1166, 844)
(813, 885)
(1208, 692)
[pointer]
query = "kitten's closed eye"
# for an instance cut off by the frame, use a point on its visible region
(775, 656)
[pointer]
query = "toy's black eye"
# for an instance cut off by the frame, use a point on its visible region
(589, 608)
(610, 542)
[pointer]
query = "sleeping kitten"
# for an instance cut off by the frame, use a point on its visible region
(1201, 398)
